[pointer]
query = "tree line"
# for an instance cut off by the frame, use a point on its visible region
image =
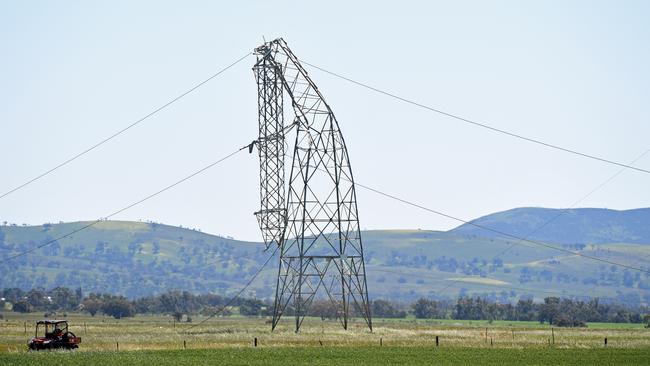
(552, 310)
(183, 304)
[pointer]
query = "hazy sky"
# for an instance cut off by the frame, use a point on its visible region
(572, 73)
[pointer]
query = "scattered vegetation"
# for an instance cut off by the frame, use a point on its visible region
(183, 304)
(138, 259)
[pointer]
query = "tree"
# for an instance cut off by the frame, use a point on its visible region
(23, 306)
(176, 301)
(251, 307)
(149, 304)
(549, 309)
(525, 310)
(63, 298)
(325, 309)
(37, 298)
(427, 309)
(385, 309)
(92, 304)
(117, 307)
(13, 294)
(563, 321)
(170, 301)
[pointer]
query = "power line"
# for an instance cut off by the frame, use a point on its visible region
(502, 233)
(562, 212)
(535, 242)
(574, 204)
(539, 142)
(93, 223)
(475, 123)
(75, 157)
(232, 300)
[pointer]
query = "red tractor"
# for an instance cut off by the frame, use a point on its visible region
(52, 334)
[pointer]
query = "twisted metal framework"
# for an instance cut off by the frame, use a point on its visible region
(272, 214)
(317, 227)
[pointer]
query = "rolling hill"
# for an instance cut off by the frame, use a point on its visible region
(138, 259)
(573, 226)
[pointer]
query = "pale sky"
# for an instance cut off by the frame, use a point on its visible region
(571, 73)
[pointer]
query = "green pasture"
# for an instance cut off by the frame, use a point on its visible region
(156, 339)
(407, 355)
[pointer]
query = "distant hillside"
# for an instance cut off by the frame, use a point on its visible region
(574, 226)
(132, 258)
(138, 259)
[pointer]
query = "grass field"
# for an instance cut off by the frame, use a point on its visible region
(337, 356)
(157, 340)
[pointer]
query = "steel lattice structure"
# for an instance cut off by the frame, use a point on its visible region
(270, 143)
(316, 224)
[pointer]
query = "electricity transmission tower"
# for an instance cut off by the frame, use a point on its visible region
(314, 218)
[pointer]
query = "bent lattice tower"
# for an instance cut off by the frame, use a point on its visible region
(313, 218)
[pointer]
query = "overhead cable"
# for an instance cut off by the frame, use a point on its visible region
(93, 223)
(107, 139)
(502, 233)
(241, 291)
(479, 124)
(562, 212)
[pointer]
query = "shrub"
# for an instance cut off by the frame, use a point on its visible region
(23, 306)
(562, 321)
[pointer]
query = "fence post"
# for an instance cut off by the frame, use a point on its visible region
(25, 324)
(184, 344)
(381, 342)
(437, 342)
(605, 341)
(553, 335)
(486, 335)
(118, 345)
(255, 342)
(85, 329)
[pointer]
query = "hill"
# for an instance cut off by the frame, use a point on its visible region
(131, 258)
(573, 226)
(138, 259)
